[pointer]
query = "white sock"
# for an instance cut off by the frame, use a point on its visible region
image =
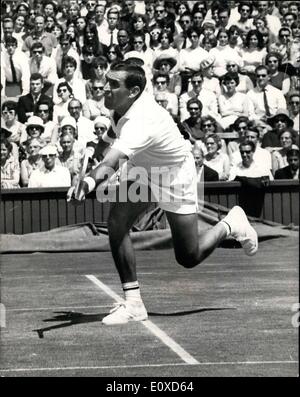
(132, 291)
(227, 227)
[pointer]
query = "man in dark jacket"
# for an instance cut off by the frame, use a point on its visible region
(292, 170)
(27, 103)
(203, 171)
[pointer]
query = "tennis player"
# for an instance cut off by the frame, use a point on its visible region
(157, 159)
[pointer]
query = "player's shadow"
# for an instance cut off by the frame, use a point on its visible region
(69, 319)
(72, 318)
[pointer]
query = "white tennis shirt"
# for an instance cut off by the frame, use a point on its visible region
(148, 135)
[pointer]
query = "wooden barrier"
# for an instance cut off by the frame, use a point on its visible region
(32, 210)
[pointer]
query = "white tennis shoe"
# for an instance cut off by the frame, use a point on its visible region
(241, 230)
(126, 311)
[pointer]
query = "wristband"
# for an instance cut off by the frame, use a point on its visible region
(90, 182)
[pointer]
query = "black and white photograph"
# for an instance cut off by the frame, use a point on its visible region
(149, 211)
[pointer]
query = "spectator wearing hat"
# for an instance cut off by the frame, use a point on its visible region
(166, 64)
(94, 106)
(46, 66)
(16, 69)
(293, 108)
(27, 103)
(208, 29)
(51, 174)
(207, 98)
(10, 169)
(210, 82)
(232, 104)
(33, 160)
(5, 135)
(39, 34)
(291, 171)
(265, 100)
(280, 122)
(279, 156)
(34, 129)
(102, 125)
(10, 122)
(278, 79)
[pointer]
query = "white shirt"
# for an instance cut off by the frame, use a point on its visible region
(275, 100)
(20, 61)
(261, 157)
(254, 171)
(148, 135)
(58, 177)
(47, 68)
(208, 100)
(85, 130)
(222, 56)
(104, 35)
(78, 87)
(191, 58)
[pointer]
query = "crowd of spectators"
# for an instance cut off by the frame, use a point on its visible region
(228, 72)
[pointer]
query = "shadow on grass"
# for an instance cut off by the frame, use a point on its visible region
(69, 319)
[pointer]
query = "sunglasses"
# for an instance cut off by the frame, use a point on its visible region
(294, 103)
(160, 82)
(98, 88)
(100, 128)
(62, 90)
(138, 42)
(206, 125)
(44, 156)
(245, 151)
(43, 111)
(34, 127)
(37, 52)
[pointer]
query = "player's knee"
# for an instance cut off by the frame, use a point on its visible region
(188, 261)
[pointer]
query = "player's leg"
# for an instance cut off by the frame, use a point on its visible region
(190, 246)
(121, 218)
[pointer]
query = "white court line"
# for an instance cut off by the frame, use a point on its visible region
(175, 347)
(147, 366)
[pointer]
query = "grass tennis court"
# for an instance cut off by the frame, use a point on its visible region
(230, 316)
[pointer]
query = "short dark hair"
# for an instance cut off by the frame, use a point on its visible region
(65, 84)
(10, 105)
(292, 152)
(196, 101)
(37, 44)
(161, 74)
(100, 60)
(231, 76)
(260, 39)
(245, 142)
(36, 76)
(135, 75)
(7, 144)
(11, 40)
(68, 60)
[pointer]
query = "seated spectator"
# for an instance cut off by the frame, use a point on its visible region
(281, 45)
(166, 64)
(190, 58)
(224, 53)
(279, 156)
(146, 53)
(34, 129)
(124, 45)
(240, 127)
(90, 39)
(86, 63)
(165, 40)
(209, 125)
(10, 169)
(63, 50)
(278, 79)
(69, 66)
(214, 158)
(193, 123)
(245, 22)
(113, 54)
(160, 83)
(204, 173)
(69, 156)
(210, 82)
(33, 160)
(39, 34)
(44, 110)
(94, 106)
(291, 171)
(253, 180)
(51, 174)
(101, 125)
(279, 122)
(27, 103)
(265, 100)
(99, 68)
(261, 157)
(15, 69)
(5, 135)
(207, 98)
(232, 104)
(253, 53)
(46, 66)
(293, 108)
(84, 126)
(245, 83)
(9, 121)
(60, 110)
